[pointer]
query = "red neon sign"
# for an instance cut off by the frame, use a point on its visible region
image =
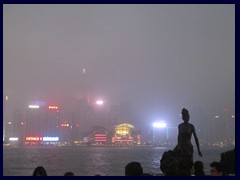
(52, 107)
(100, 139)
(33, 138)
(64, 125)
(100, 135)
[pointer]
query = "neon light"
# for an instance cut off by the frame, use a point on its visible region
(123, 140)
(13, 139)
(52, 107)
(50, 138)
(33, 138)
(64, 125)
(125, 124)
(33, 106)
(100, 135)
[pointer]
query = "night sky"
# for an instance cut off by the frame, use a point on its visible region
(158, 58)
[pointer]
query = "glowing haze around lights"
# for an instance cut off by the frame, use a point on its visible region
(99, 102)
(33, 106)
(159, 124)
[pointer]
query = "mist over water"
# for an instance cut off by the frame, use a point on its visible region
(89, 161)
(156, 58)
(146, 62)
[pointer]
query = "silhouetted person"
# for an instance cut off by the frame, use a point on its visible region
(69, 173)
(184, 148)
(198, 168)
(39, 171)
(169, 164)
(228, 161)
(216, 169)
(133, 169)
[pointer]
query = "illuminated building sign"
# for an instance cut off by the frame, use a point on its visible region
(52, 107)
(50, 138)
(123, 140)
(119, 139)
(33, 106)
(33, 138)
(100, 137)
(64, 125)
(13, 139)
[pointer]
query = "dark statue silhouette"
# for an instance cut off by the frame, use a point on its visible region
(179, 161)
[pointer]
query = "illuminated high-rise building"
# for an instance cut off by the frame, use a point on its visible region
(42, 121)
(52, 124)
(34, 121)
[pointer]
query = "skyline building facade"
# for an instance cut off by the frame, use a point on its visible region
(42, 123)
(42, 120)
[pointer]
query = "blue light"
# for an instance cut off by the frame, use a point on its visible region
(50, 138)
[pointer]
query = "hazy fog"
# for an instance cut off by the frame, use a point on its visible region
(158, 58)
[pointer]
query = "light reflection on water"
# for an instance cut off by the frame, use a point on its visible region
(89, 161)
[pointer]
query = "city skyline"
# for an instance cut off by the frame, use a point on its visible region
(38, 119)
(155, 59)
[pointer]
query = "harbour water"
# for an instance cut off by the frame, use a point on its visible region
(89, 161)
